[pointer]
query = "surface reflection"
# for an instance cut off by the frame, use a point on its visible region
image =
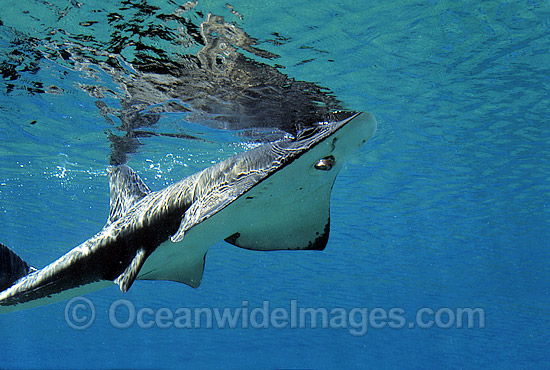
(187, 61)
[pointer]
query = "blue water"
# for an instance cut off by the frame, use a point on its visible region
(446, 207)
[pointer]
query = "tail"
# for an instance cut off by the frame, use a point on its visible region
(12, 267)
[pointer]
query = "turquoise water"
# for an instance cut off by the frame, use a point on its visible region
(445, 208)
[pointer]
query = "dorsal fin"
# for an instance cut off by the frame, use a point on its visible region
(12, 267)
(126, 189)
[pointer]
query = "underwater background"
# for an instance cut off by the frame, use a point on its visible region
(446, 208)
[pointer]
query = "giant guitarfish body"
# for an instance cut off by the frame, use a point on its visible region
(273, 197)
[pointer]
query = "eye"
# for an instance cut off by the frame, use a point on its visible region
(325, 164)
